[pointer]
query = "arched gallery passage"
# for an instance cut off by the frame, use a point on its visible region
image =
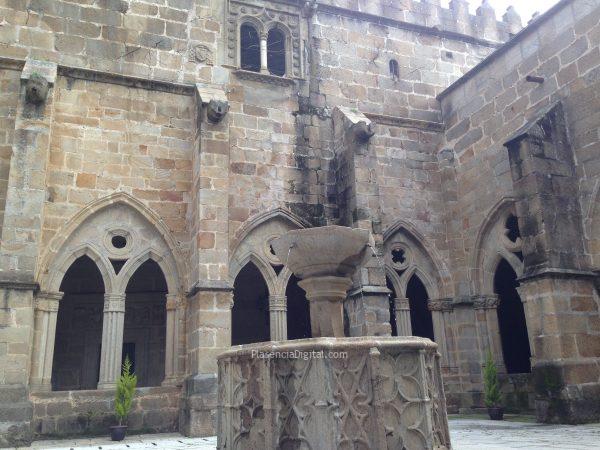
(76, 364)
(420, 315)
(298, 311)
(250, 312)
(511, 320)
(421, 322)
(145, 324)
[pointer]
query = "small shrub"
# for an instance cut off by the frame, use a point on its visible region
(491, 385)
(125, 392)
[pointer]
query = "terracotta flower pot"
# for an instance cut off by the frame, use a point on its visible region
(117, 432)
(496, 413)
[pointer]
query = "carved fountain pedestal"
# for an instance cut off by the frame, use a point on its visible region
(331, 392)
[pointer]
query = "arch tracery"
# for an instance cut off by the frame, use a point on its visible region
(119, 234)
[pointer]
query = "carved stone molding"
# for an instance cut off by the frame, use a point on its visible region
(48, 301)
(264, 78)
(202, 54)
(381, 394)
(278, 303)
(114, 303)
(440, 305)
(489, 302)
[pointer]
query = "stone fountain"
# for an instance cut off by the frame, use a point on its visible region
(331, 392)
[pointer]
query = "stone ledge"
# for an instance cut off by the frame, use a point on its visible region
(209, 285)
(405, 122)
(264, 78)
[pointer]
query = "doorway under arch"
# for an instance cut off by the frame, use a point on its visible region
(250, 313)
(420, 317)
(298, 311)
(76, 363)
(144, 333)
(511, 320)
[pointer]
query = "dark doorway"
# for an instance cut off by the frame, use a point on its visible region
(250, 313)
(249, 48)
(276, 52)
(420, 316)
(298, 311)
(144, 335)
(393, 297)
(511, 320)
(76, 362)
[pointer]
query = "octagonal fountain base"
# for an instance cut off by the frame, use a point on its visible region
(378, 393)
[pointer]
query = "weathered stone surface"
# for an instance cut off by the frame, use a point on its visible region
(327, 393)
(124, 124)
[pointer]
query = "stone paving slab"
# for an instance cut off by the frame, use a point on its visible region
(476, 434)
(172, 441)
(466, 434)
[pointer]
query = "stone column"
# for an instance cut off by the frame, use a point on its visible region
(46, 311)
(208, 308)
(488, 329)
(557, 288)
(26, 190)
(562, 322)
(112, 340)
(172, 344)
(278, 317)
(402, 310)
(264, 67)
(440, 309)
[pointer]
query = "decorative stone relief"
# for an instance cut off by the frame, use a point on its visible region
(202, 54)
(380, 394)
(267, 14)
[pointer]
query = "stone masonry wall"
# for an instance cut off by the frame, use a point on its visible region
(156, 40)
(9, 88)
(63, 414)
(107, 137)
(485, 108)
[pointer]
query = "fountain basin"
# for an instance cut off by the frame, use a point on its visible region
(324, 258)
(382, 393)
(323, 251)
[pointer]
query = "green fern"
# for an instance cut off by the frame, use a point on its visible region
(490, 383)
(125, 391)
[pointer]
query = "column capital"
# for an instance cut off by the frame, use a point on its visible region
(486, 302)
(174, 301)
(48, 301)
(114, 302)
(402, 304)
(277, 303)
(440, 305)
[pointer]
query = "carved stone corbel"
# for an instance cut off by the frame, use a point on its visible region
(38, 77)
(352, 126)
(214, 100)
(216, 110)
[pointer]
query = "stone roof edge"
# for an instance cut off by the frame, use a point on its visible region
(386, 21)
(505, 47)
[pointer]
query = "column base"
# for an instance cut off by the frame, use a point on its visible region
(559, 399)
(172, 381)
(16, 414)
(198, 413)
(106, 386)
(40, 387)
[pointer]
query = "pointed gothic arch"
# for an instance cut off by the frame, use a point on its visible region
(53, 251)
(492, 246)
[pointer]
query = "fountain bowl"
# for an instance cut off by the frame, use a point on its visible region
(323, 251)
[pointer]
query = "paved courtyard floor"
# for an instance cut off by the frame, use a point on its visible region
(472, 433)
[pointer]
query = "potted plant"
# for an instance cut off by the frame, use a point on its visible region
(123, 399)
(491, 386)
